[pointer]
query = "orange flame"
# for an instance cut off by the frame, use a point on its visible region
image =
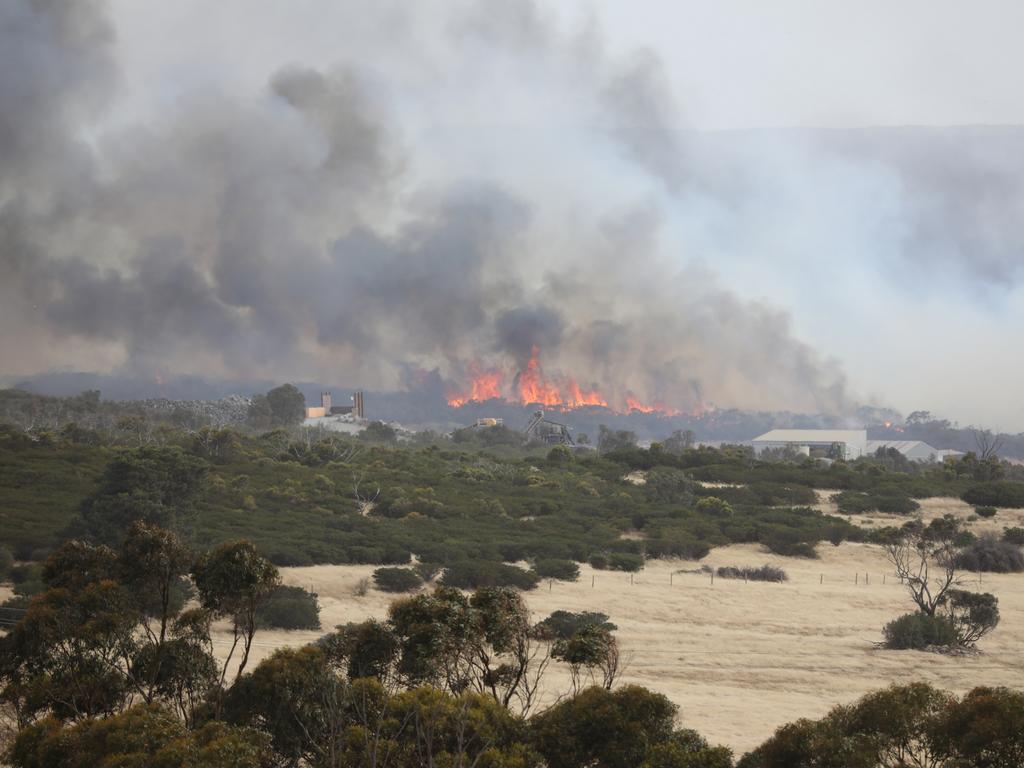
(532, 387)
(484, 385)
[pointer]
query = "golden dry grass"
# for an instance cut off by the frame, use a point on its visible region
(742, 658)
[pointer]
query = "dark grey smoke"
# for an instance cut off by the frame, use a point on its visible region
(289, 237)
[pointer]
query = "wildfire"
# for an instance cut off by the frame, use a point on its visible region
(484, 385)
(530, 386)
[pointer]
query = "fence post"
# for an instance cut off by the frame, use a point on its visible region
(671, 576)
(856, 578)
(712, 578)
(591, 581)
(866, 579)
(821, 578)
(550, 581)
(631, 579)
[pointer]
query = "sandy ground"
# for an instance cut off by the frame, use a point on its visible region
(742, 658)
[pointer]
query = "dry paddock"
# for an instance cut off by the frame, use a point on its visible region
(742, 658)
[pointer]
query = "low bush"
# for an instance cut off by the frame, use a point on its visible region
(473, 574)
(996, 494)
(552, 568)
(985, 511)
(788, 545)
(764, 573)
(290, 608)
(896, 504)
(852, 502)
(914, 631)
(396, 579)
(599, 561)
(893, 503)
(1014, 536)
(991, 555)
(625, 561)
(561, 625)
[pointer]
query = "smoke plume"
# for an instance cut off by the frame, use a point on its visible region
(329, 228)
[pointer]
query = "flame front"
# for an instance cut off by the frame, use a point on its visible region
(530, 386)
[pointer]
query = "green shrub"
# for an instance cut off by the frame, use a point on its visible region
(290, 608)
(396, 579)
(625, 561)
(996, 494)
(1014, 536)
(6, 563)
(473, 574)
(561, 625)
(714, 507)
(991, 555)
(985, 511)
(853, 502)
(552, 568)
(599, 561)
(896, 504)
(914, 631)
(789, 544)
(764, 573)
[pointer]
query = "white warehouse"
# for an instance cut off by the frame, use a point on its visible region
(852, 442)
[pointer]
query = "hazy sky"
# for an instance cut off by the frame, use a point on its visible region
(895, 256)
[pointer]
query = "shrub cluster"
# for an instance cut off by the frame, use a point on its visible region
(617, 561)
(985, 511)
(915, 631)
(396, 579)
(992, 555)
(474, 574)
(290, 608)
(996, 494)
(1014, 535)
(561, 625)
(889, 502)
(552, 568)
(763, 573)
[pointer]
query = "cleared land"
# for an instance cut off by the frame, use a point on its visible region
(742, 658)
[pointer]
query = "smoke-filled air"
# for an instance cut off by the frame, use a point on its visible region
(500, 196)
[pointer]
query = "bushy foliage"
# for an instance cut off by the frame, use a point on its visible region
(553, 568)
(747, 573)
(857, 502)
(996, 494)
(617, 561)
(396, 579)
(985, 512)
(1014, 536)
(472, 574)
(904, 725)
(990, 554)
(290, 608)
(915, 631)
(564, 624)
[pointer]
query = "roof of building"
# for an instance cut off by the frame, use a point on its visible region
(900, 445)
(813, 436)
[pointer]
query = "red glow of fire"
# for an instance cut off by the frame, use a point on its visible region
(531, 387)
(484, 385)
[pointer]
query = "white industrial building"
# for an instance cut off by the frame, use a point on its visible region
(852, 442)
(915, 450)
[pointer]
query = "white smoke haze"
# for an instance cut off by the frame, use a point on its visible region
(448, 186)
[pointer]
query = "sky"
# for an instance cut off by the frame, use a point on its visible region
(788, 205)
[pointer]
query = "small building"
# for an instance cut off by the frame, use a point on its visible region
(843, 443)
(544, 430)
(915, 450)
(327, 408)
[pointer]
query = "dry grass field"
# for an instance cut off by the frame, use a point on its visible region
(742, 658)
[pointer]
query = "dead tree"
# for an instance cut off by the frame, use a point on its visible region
(988, 444)
(924, 557)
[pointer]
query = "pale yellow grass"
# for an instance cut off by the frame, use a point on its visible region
(740, 658)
